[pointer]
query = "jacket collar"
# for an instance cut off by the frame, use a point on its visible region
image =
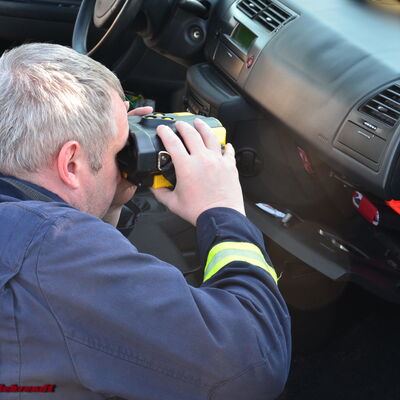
(9, 190)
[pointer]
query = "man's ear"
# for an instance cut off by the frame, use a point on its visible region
(69, 163)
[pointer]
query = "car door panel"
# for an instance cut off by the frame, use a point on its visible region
(36, 20)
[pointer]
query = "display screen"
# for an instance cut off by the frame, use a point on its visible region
(243, 36)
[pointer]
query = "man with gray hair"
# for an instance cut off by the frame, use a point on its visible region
(85, 315)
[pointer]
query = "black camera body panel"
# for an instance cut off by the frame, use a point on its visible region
(144, 160)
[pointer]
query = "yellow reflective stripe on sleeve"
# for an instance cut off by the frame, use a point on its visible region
(227, 252)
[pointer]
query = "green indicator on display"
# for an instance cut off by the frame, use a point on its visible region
(243, 36)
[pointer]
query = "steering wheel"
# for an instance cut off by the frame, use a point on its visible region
(112, 19)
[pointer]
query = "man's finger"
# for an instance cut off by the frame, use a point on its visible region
(173, 145)
(229, 150)
(163, 195)
(140, 111)
(190, 136)
(210, 139)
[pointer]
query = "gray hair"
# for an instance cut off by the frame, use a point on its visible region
(51, 94)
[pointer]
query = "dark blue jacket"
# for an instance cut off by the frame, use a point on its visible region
(83, 310)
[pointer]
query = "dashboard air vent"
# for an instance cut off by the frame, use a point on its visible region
(266, 12)
(273, 17)
(251, 7)
(384, 106)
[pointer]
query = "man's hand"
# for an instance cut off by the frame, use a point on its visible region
(125, 191)
(205, 177)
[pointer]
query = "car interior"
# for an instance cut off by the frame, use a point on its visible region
(309, 93)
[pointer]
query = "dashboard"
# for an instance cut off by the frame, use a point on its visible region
(329, 70)
(310, 94)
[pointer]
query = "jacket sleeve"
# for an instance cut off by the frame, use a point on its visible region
(134, 328)
(236, 261)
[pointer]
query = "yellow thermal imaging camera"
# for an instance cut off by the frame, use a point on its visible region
(144, 160)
